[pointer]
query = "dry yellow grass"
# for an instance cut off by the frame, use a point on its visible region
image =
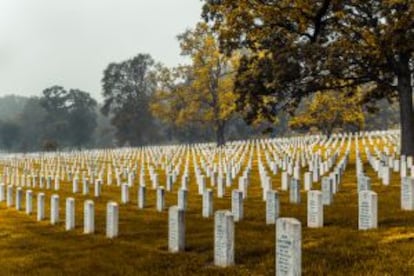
(31, 248)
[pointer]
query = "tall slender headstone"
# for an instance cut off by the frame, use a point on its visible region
(19, 198)
(125, 193)
(88, 217)
(141, 197)
(169, 185)
(42, 179)
(315, 173)
(176, 229)
(202, 185)
(29, 202)
(326, 190)
(407, 193)
(296, 172)
(367, 210)
(109, 178)
(160, 199)
(85, 186)
(223, 238)
(213, 179)
(288, 247)
(54, 209)
(40, 206)
(57, 183)
(243, 186)
(207, 203)
(294, 191)
(403, 168)
(9, 199)
(70, 214)
(272, 206)
(386, 175)
(98, 188)
(285, 181)
(237, 205)
(220, 187)
(182, 199)
(2, 192)
(112, 219)
(334, 183)
(155, 181)
(308, 181)
(75, 185)
(131, 178)
(266, 186)
(228, 179)
(184, 182)
(315, 209)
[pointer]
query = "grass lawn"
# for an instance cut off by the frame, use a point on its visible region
(32, 248)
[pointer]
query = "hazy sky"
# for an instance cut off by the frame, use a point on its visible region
(70, 42)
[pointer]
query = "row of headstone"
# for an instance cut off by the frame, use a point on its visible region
(89, 213)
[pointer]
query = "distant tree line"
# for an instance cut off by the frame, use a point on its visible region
(71, 119)
(147, 103)
(59, 119)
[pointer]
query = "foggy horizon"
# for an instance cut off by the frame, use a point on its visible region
(70, 43)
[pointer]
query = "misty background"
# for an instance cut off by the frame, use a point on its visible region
(48, 42)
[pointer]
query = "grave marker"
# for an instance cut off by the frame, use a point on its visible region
(29, 202)
(88, 217)
(237, 205)
(288, 247)
(40, 206)
(54, 209)
(407, 193)
(367, 210)
(70, 214)
(272, 207)
(207, 203)
(112, 213)
(315, 209)
(223, 238)
(176, 229)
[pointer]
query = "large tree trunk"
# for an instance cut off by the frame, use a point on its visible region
(406, 107)
(220, 138)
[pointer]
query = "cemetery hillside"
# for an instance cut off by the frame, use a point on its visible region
(127, 211)
(209, 137)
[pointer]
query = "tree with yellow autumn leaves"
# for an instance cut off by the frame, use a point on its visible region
(201, 92)
(328, 111)
(297, 48)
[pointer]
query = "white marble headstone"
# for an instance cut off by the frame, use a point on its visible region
(54, 209)
(29, 202)
(176, 229)
(141, 197)
(315, 209)
(288, 247)
(407, 193)
(70, 214)
(367, 210)
(237, 205)
(112, 216)
(40, 206)
(223, 238)
(88, 217)
(207, 203)
(272, 207)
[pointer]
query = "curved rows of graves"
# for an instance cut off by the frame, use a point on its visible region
(299, 162)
